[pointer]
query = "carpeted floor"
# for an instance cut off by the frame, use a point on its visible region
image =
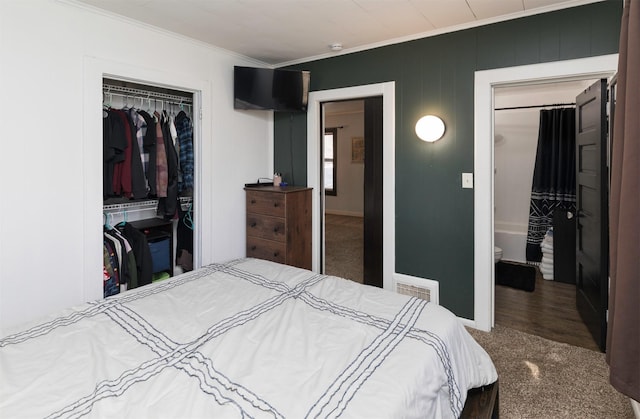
(540, 378)
(344, 254)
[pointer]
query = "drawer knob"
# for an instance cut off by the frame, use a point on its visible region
(276, 229)
(253, 224)
(276, 254)
(253, 247)
(253, 201)
(275, 205)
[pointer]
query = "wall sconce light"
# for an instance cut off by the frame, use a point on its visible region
(430, 128)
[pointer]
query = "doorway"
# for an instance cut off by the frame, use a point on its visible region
(485, 83)
(343, 181)
(314, 179)
(550, 309)
(516, 125)
(359, 172)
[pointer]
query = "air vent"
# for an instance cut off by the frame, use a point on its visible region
(422, 288)
(413, 291)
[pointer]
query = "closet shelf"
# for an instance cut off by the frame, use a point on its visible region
(144, 94)
(131, 206)
(141, 205)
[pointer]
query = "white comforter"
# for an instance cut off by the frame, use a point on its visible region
(248, 338)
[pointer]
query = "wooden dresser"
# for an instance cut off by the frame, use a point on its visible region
(279, 224)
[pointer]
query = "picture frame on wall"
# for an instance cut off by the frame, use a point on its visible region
(357, 149)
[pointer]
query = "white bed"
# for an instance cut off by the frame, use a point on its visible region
(248, 338)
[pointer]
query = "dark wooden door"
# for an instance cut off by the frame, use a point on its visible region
(592, 210)
(373, 191)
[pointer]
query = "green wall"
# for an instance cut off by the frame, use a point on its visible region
(434, 215)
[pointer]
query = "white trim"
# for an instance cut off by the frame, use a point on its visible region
(314, 125)
(485, 82)
(469, 323)
(447, 29)
(636, 408)
(94, 71)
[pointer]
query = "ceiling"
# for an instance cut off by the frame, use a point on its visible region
(278, 32)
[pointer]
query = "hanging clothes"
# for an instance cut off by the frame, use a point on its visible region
(162, 167)
(128, 271)
(141, 252)
(167, 206)
(184, 239)
(149, 146)
(185, 138)
(141, 161)
(111, 279)
(113, 148)
(128, 179)
(139, 127)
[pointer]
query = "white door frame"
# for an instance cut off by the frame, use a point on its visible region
(485, 82)
(314, 127)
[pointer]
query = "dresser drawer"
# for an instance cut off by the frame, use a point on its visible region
(267, 203)
(272, 228)
(266, 249)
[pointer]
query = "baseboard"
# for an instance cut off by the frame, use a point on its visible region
(468, 323)
(636, 408)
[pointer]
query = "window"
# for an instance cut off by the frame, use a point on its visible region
(330, 160)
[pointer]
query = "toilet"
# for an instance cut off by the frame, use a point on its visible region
(497, 254)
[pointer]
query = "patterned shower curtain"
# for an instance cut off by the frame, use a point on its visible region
(554, 175)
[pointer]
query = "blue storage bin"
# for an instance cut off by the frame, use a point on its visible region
(160, 254)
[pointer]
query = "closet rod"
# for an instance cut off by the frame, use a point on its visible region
(556, 105)
(146, 94)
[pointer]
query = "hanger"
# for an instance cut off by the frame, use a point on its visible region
(124, 219)
(106, 105)
(187, 219)
(105, 217)
(126, 103)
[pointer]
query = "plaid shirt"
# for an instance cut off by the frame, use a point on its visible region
(185, 139)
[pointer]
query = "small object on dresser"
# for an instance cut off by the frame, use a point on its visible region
(277, 179)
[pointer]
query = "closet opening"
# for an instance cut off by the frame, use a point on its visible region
(149, 179)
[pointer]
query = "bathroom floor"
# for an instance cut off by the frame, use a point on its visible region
(549, 312)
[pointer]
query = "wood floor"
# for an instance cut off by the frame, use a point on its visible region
(549, 312)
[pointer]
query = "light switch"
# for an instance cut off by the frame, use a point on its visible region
(467, 180)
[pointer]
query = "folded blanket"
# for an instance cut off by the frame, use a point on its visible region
(546, 269)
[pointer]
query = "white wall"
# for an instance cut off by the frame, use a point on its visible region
(515, 144)
(350, 197)
(52, 56)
